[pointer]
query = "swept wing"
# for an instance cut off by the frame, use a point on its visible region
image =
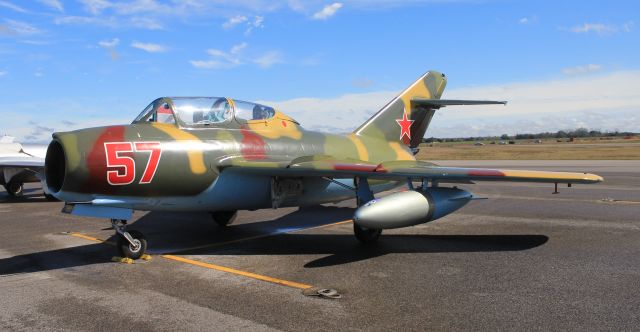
(327, 167)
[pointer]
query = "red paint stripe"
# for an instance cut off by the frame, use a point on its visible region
(355, 167)
(253, 147)
(485, 172)
(97, 162)
(381, 169)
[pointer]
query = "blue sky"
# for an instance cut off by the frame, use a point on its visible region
(74, 63)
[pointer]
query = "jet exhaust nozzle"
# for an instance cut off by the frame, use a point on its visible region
(410, 208)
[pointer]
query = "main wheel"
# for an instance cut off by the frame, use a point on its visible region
(224, 218)
(366, 235)
(14, 188)
(129, 250)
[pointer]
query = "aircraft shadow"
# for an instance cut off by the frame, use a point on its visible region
(344, 248)
(175, 232)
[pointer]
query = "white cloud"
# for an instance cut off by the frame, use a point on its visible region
(55, 4)
(146, 23)
(110, 22)
(210, 64)
(327, 11)
(269, 59)
(235, 57)
(528, 20)
(109, 43)
(12, 6)
(18, 28)
(237, 49)
(95, 7)
(149, 47)
(233, 21)
(3, 72)
(257, 23)
(607, 102)
(599, 28)
(110, 46)
(579, 70)
(221, 59)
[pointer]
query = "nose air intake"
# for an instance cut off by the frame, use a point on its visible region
(55, 166)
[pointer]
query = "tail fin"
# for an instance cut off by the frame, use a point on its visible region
(404, 120)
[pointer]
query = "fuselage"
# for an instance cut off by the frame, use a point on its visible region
(156, 166)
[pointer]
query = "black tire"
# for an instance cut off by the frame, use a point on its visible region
(14, 189)
(224, 218)
(366, 235)
(127, 250)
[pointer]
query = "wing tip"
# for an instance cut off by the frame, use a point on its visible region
(593, 178)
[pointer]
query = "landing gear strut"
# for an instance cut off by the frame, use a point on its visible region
(131, 244)
(364, 195)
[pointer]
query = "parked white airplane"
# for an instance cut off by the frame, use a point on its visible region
(19, 164)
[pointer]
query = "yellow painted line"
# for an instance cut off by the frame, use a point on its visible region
(90, 238)
(256, 276)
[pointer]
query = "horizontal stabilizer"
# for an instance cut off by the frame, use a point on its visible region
(437, 103)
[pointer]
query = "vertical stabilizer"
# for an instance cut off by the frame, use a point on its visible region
(404, 121)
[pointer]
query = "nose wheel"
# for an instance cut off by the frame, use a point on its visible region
(131, 244)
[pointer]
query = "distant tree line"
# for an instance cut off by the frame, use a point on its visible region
(578, 133)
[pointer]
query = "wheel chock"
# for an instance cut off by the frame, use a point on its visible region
(124, 260)
(322, 292)
(146, 257)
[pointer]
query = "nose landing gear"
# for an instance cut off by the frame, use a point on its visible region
(131, 244)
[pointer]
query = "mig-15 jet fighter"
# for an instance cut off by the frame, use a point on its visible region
(222, 155)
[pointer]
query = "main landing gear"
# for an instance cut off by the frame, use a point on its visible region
(364, 195)
(366, 235)
(130, 244)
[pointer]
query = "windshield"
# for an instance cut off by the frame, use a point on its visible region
(202, 111)
(158, 111)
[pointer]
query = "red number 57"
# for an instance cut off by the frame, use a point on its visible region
(118, 156)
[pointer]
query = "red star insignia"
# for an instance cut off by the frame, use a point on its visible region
(405, 126)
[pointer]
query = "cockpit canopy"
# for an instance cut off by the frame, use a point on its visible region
(201, 112)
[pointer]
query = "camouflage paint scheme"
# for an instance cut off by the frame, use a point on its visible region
(232, 166)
